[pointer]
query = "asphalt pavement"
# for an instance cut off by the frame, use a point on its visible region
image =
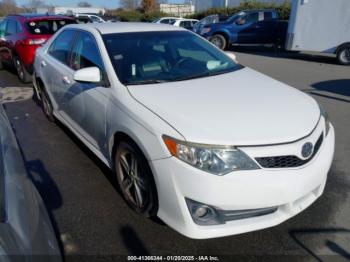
(92, 221)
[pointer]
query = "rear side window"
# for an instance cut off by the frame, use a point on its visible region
(19, 28)
(60, 48)
(11, 28)
(95, 19)
(252, 17)
(46, 27)
(267, 15)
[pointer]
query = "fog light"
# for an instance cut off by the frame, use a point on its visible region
(200, 212)
(203, 214)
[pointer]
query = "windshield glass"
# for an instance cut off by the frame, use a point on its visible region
(47, 27)
(155, 57)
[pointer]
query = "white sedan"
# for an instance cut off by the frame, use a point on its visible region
(185, 23)
(211, 147)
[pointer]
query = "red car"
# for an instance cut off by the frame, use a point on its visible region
(21, 35)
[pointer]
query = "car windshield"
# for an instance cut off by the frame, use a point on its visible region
(47, 27)
(157, 57)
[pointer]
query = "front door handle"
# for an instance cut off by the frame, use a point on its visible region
(66, 80)
(43, 63)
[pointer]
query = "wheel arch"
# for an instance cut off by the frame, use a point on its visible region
(346, 44)
(120, 136)
(38, 84)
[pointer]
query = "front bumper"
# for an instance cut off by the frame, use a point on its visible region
(291, 190)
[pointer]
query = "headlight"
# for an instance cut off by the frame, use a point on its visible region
(205, 30)
(218, 160)
(326, 118)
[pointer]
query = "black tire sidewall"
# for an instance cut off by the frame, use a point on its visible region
(151, 208)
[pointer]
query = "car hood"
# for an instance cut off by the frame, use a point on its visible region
(239, 108)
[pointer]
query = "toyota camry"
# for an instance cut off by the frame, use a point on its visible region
(211, 147)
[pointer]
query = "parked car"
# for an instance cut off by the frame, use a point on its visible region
(185, 23)
(309, 30)
(211, 147)
(21, 35)
(211, 19)
(247, 27)
(26, 232)
(166, 20)
(92, 18)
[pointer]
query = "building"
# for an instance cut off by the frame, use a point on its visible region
(71, 10)
(177, 9)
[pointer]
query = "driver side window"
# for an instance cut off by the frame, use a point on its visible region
(86, 53)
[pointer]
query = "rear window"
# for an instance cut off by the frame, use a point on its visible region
(47, 27)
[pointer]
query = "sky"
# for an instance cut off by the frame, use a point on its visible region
(97, 3)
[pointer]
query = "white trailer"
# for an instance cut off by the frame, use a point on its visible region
(320, 26)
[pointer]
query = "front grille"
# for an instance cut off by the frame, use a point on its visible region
(288, 161)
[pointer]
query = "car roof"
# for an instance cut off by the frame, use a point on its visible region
(125, 27)
(39, 16)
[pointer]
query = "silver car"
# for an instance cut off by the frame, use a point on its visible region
(26, 233)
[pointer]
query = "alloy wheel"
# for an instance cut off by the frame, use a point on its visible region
(345, 55)
(19, 68)
(134, 185)
(217, 41)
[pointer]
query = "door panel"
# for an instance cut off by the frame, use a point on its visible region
(2, 39)
(85, 103)
(248, 28)
(54, 67)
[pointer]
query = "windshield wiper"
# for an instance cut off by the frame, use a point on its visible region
(147, 82)
(205, 74)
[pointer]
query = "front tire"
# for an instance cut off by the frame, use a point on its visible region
(343, 55)
(135, 179)
(219, 41)
(22, 72)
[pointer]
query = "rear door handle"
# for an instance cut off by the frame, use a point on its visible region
(66, 80)
(43, 63)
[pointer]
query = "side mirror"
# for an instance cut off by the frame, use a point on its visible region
(88, 75)
(232, 56)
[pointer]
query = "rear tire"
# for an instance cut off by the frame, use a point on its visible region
(343, 55)
(46, 105)
(135, 179)
(219, 41)
(22, 72)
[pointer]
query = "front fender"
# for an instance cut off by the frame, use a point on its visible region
(127, 116)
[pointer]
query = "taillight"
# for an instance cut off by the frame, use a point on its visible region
(38, 41)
